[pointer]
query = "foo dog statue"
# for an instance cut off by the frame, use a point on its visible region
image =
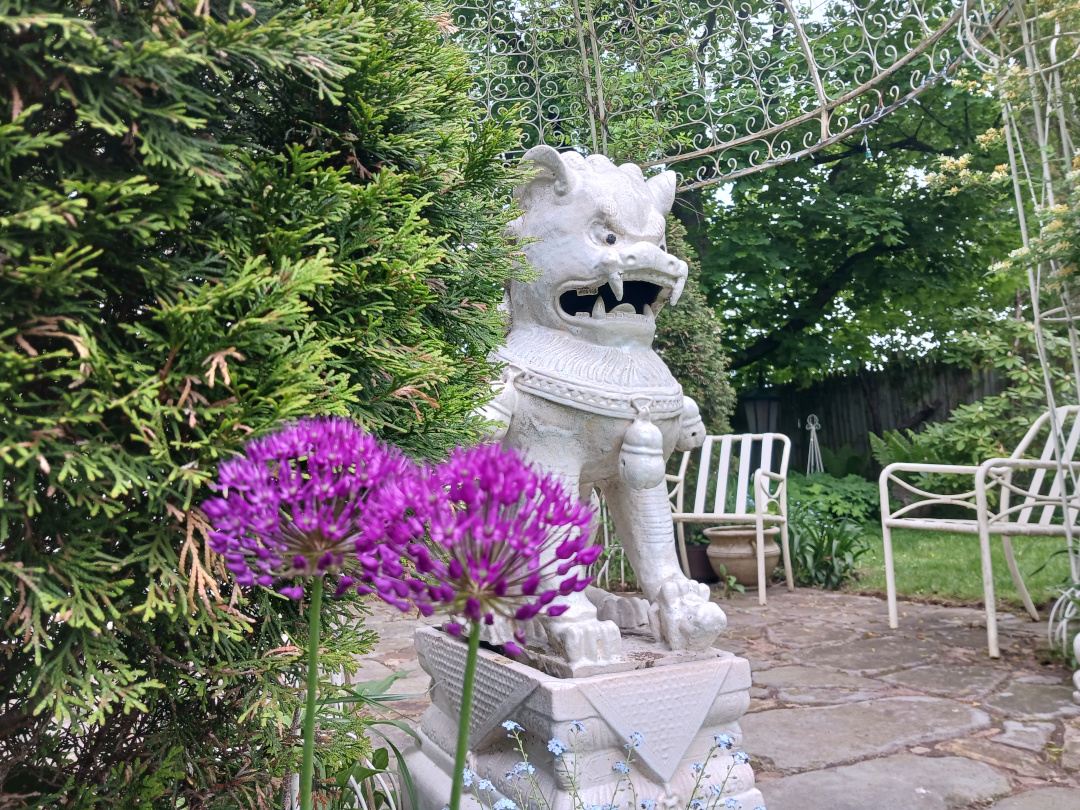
(584, 395)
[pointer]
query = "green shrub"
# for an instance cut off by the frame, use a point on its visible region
(824, 551)
(994, 426)
(687, 337)
(833, 498)
(213, 217)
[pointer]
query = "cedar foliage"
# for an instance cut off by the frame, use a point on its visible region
(213, 217)
(687, 337)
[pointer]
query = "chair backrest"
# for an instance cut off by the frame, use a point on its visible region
(1067, 419)
(723, 455)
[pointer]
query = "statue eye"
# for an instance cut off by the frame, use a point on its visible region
(610, 239)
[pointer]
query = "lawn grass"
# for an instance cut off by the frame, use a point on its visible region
(945, 566)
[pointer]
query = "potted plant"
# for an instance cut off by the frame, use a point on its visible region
(733, 551)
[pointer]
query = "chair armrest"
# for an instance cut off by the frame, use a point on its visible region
(928, 498)
(1025, 464)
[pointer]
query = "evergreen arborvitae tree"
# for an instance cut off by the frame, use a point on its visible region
(686, 337)
(213, 217)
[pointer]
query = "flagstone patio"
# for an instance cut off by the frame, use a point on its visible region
(847, 714)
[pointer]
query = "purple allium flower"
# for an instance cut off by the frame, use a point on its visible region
(296, 504)
(497, 530)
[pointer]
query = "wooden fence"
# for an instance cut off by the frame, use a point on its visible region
(903, 395)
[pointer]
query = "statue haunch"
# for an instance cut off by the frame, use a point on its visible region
(584, 395)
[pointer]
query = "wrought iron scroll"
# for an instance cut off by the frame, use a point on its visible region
(1029, 48)
(715, 89)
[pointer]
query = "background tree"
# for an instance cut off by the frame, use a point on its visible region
(843, 260)
(213, 217)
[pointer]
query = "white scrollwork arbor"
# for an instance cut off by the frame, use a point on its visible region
(715, 89)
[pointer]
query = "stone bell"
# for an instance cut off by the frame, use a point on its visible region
(641, 459)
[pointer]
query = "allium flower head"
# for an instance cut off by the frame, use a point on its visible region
(296, 504)
(498, 530)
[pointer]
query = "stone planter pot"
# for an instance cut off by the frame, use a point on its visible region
(735, 547)
(701, 568)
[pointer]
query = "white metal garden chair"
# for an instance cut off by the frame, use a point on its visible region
(757, 489)
(1036, 508)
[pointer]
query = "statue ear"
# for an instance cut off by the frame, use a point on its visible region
(662, 190)
(566, 180)
(633, 170)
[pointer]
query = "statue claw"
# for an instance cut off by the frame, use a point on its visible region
(585, 642)
(688, 620)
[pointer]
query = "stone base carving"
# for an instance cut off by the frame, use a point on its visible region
(677, 705)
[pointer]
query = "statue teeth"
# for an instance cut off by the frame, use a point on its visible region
(588, 291)
(598, 310)
(646, 310)
(616, 284)
(676, 293)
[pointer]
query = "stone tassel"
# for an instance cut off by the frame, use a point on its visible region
(641, 459)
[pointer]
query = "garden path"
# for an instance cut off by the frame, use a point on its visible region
(847, 714)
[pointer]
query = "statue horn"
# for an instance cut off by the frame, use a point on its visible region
(547, 158)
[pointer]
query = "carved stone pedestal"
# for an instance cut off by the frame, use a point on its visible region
(678, 706)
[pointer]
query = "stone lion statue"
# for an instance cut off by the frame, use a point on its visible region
(584, 395)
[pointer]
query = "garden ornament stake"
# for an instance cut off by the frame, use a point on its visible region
(814, 463)
(586, 398)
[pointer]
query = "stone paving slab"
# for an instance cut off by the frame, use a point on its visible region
(1031, 736)
(872, 656)
(816, 737)
(1054, 798)
(898, 782)
(949, 679)
(1038, 700)
(1002, 757)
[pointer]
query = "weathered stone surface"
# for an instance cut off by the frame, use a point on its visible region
(971, 638)
(958, 681)
(1070, 754)
(872, 656)
(796, 635)
(1000, 756)
(1034, 700)
(1047, 679)
(899, 782)
(1054, 798)
(811, 677)
(1032, 736)
(824, 696)
(805, 738)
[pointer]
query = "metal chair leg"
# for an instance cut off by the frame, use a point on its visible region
(890, 576)
(1018, 581)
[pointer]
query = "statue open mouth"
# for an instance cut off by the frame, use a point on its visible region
(640, 300)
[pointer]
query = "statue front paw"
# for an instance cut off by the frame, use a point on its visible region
(584, 642)
(630, 613)
(688, 620)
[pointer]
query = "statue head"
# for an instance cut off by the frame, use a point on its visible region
(603, 270)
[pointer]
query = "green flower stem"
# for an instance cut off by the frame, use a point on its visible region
(466, 713)
(307, 769)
